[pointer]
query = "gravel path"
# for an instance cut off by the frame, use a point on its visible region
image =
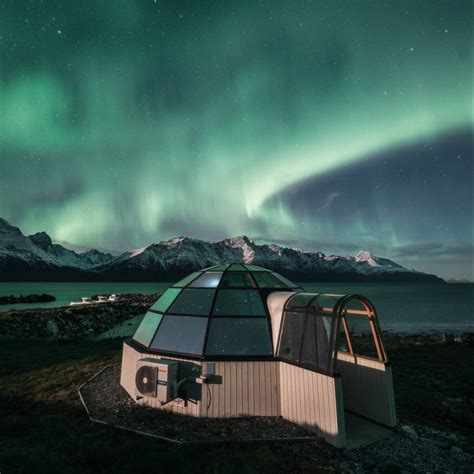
(411, 448)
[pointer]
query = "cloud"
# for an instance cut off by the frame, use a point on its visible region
(434, 250)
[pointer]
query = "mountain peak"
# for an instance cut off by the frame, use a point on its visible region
(181, 239)
(240, 240)
(367, 257)
(42, 239)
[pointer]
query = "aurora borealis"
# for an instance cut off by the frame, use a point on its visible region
(326, 125)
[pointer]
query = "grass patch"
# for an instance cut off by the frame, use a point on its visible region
(44, 427)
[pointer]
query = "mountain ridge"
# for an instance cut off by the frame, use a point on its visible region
(37, 258)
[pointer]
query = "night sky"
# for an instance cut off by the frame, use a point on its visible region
(327, 125)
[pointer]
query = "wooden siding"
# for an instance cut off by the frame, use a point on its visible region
(314, 401)
(238, 388)
(367, 387)
(242, 388)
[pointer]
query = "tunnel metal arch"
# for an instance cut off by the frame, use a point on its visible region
(338, 313)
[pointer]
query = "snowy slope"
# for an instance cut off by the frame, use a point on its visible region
(21, 255)
(36, 257)
(181, 255)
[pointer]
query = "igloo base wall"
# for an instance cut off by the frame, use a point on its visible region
(237, 388)
(310, 399)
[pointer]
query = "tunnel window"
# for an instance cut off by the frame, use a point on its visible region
(358, 337)
(306, 337)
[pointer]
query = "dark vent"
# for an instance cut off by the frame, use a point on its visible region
(145, 381)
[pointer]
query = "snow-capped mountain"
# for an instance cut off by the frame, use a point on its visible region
(177, 257)
(37, 257)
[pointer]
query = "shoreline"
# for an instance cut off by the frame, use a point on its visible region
(111, 319)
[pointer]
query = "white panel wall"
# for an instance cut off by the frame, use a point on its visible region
(244, 388)
(314, 401)
(367, 388)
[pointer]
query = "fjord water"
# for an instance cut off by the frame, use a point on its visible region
(401, 307)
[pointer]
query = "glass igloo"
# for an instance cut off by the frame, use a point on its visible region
(219, 312)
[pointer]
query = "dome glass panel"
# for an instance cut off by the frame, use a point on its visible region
(225, 305)
(165, 300)
(238, 303)
(255, 268)
(267, 280)
(187, 280)
(193, 301)
(207, 280)
(237, 280)
(147, 328)
(239, 336)
(287, 282)
(182, 334)
(237, 267)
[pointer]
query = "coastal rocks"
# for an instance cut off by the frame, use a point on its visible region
(43, 298)
(71, 322)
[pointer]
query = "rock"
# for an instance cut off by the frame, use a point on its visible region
(27, 299)
(409, 432)
(73, 321)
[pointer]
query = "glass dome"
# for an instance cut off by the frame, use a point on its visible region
(218, 312)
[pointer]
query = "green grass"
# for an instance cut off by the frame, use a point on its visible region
(44, 427)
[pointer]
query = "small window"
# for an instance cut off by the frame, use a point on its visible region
(237, 280)
(186, 280)
(267, 280)
(145, 332)
(207, 280)
(235, 336)
(238, 303)
(165, 300)
(193, 301)
(181, 334)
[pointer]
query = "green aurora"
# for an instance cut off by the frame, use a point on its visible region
(127, 122)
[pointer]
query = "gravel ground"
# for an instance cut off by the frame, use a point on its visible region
(108, 401)
(411, 448)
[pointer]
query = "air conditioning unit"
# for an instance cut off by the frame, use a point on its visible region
(157, 378)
